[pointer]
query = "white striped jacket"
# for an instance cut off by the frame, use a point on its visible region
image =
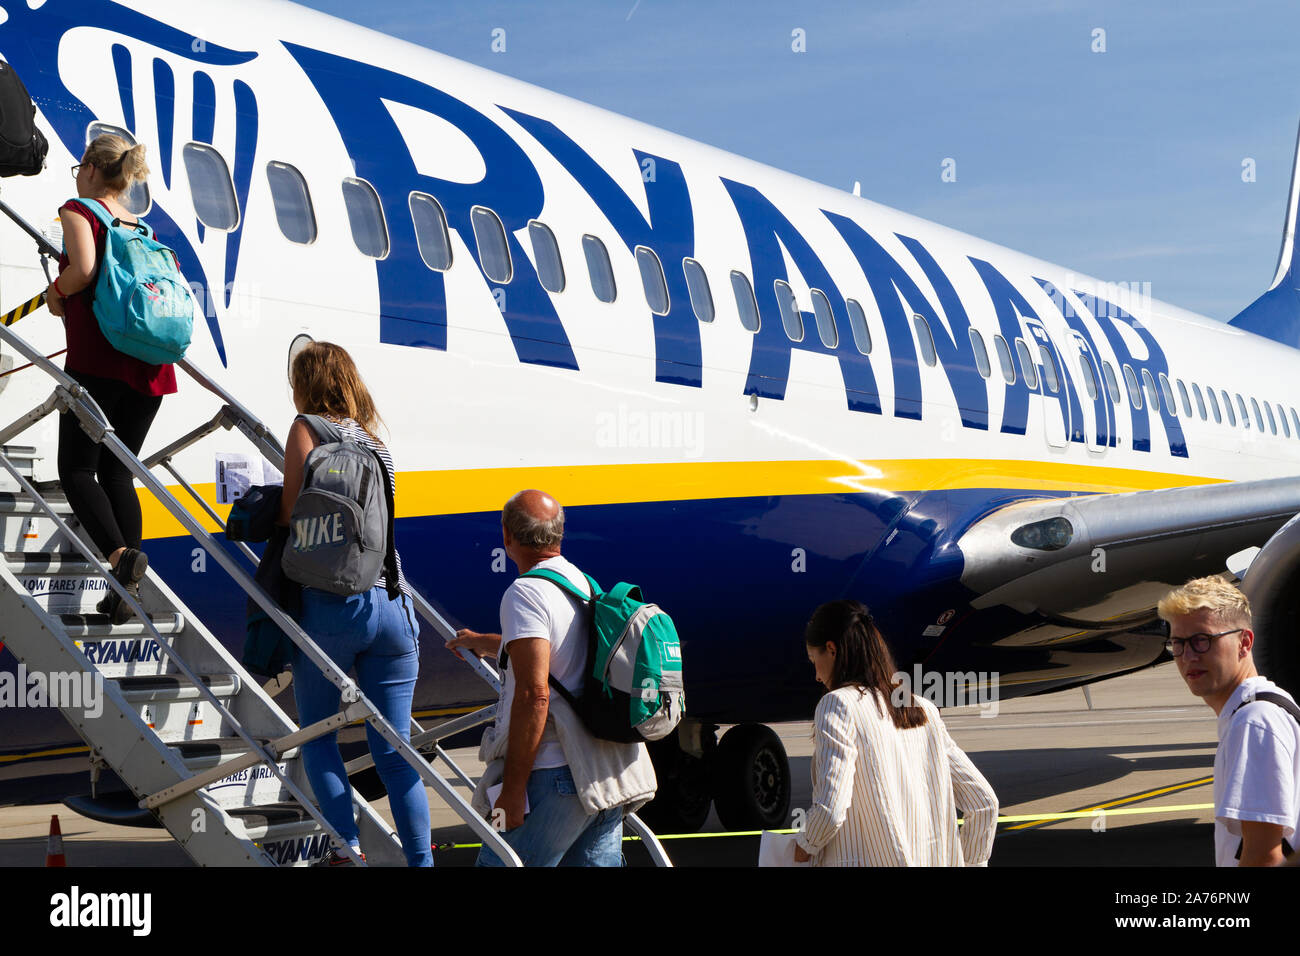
(889, 797)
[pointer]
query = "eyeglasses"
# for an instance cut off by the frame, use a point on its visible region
(1200, 642)
(77, 169)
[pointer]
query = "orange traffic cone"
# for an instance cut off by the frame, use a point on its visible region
(54, 850)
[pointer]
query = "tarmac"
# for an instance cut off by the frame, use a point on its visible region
(1140, 748)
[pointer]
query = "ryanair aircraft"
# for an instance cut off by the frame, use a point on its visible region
(751, 393)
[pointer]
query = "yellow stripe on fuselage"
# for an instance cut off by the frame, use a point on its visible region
(473, 490)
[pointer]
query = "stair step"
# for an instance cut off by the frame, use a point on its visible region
(169, 687)
(202, 754)
(90, 626)
(48, 564)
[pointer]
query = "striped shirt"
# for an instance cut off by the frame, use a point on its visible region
(356, 433)
(889, 797)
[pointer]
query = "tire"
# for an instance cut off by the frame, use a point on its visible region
(685, 790)
(751, 779)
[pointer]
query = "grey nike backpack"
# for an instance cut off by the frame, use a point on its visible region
(341, 529)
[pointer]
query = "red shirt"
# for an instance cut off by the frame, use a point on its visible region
(88, 350)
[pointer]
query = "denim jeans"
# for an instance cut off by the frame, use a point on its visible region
(557, 830)
(377, 637)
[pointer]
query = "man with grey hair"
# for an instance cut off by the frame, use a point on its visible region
(1257, 762)
(563, 792)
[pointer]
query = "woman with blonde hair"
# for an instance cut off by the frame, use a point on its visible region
(887, 778)
(128, 390)
(369, 631)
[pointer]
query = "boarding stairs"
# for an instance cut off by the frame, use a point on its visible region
(159, 700)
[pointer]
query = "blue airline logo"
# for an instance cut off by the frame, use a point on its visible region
(413, 307)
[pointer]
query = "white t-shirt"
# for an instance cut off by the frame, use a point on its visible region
(1256, 769)
(536, 608)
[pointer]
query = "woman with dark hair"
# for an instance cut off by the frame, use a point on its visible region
(887, 778)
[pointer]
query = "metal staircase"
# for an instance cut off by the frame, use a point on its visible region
(159, 700)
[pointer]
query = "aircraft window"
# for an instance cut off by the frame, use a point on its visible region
(210, 187)
(1152, 398)
(1286, 427)
(1027, 364)
(745, 303)
(826, 330)
(1295, 420)
(1089, 379)
(431, 232)
(1004, 359)
(293, 212)
(697, 284)
(1245, 415)
(1135, 392)
(550, 268)
(652, 280)
(1200, 402)
(1214, 405)
(493, 248)
(1049, 370)
(1112, 384)
(858, 324)
(1168, 394)
(926, 339)
(1227, 407)
(1272, 425)
(791, 317)
(981, 353)
(1259, 419)
(137, 197)
(599, 268)
(366, 217)
(1187, 402)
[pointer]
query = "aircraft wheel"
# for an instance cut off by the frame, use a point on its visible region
(751, 775)
(685, 790)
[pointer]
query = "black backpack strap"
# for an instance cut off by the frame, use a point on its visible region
(1268, 696)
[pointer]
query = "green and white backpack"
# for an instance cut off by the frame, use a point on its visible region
(633, 690)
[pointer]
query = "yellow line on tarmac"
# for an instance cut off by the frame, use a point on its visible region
(1088, 811)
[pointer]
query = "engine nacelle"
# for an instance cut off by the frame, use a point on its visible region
(1273, 586)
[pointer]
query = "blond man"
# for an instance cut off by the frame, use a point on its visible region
(1257, 762)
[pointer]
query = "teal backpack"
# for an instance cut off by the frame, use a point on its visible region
(142, 302)
(634, 690)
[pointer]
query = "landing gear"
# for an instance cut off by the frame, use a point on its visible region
(751, 779)
(685, 784)
(746, 777)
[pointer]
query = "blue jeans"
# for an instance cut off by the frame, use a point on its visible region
(557, 831)
(377, 637)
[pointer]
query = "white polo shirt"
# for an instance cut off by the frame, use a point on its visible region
(1256, 768)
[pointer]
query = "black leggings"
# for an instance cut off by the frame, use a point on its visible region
(108, 508)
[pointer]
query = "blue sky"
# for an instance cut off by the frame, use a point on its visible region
(1125, 164)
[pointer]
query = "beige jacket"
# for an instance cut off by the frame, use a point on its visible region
(606, 774)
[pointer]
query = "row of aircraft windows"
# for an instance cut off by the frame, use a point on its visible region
(217, 208)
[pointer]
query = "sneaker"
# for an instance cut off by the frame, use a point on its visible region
(336, 858)
(130, 570)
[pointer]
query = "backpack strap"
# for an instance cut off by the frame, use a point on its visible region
(588, 601)
(324, 429)
(1268, 696)
(102, 213)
